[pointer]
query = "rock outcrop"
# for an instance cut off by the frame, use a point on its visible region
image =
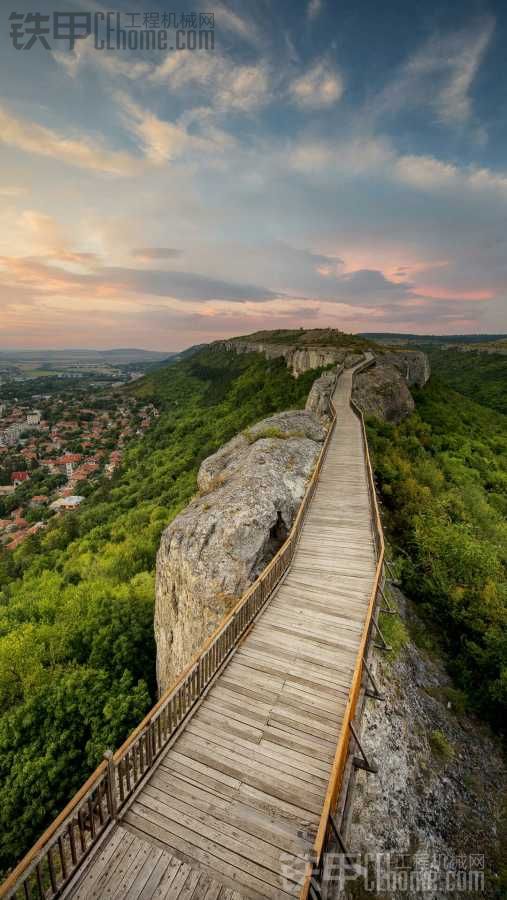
(250, 491)
(413, 364)
(440, 790)
(382, 391)
(298, 359)
(320, 395)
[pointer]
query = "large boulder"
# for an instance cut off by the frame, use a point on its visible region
(321, 391)
(413, 364)
(250, 491)
(382, 391)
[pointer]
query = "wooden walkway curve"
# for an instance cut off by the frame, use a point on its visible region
(232, 807)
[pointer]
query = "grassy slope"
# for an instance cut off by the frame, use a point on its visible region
(76, 607)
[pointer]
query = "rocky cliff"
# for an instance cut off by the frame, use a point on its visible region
(320, 395)
(249, 494)
(383, 392)
(439, 794)
(413, 365)
(298, 359)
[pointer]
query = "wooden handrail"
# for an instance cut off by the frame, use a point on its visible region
(336, 777)
(134, 758)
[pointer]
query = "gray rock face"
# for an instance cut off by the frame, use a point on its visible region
(320, 395)
(421, 800)
(382, 391)
(298, 360)
(250, 491)
(413, 364)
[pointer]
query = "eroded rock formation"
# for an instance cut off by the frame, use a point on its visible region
(433, 798)
(382, 391)
(320, 395)
(413, 364)
(250, 491)
(298, 360)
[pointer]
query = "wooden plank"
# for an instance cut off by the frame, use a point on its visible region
(203, 823)
(213, 857)
(299, 761)
(104, 864)
(164, 871)
(265, 778)
(250, 819)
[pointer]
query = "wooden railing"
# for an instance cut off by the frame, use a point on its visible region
(56, 857)
(325, 833)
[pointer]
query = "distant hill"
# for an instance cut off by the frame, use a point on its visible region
(307, 337)
(186, 354)
(388, 337)
(61, 357)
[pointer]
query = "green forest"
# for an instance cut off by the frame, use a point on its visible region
(77, 653)
(442, 475)
(478, 375)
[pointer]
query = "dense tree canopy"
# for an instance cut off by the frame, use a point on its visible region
(443, 480)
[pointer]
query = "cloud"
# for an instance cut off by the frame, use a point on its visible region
(78, 151)
(116, 282)
(430, 174)
(228, 85)
(185, 285)
(161, 141)
(439, 76)
(378, 158)
(236, 24)
(425, 172)
(356, 156)
(319, 87)
(314, 9)
(85, 53)
(12, 191)
(148, 253)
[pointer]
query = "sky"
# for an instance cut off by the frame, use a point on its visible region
(327, 164)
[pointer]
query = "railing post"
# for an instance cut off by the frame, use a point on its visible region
(111, 785)
(149, 745)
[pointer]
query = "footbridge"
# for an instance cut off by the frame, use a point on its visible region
(233, 786)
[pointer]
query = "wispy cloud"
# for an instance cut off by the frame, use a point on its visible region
(161, 141)
(228, 85)
(319, 87)
(236, 24)
(314, 9)
(75, 150)
(439, 76)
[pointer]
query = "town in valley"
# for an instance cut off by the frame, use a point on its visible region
(62, 429)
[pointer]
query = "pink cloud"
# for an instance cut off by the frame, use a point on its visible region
(441, 293)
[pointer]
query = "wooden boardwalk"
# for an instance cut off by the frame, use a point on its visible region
(232, 807)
